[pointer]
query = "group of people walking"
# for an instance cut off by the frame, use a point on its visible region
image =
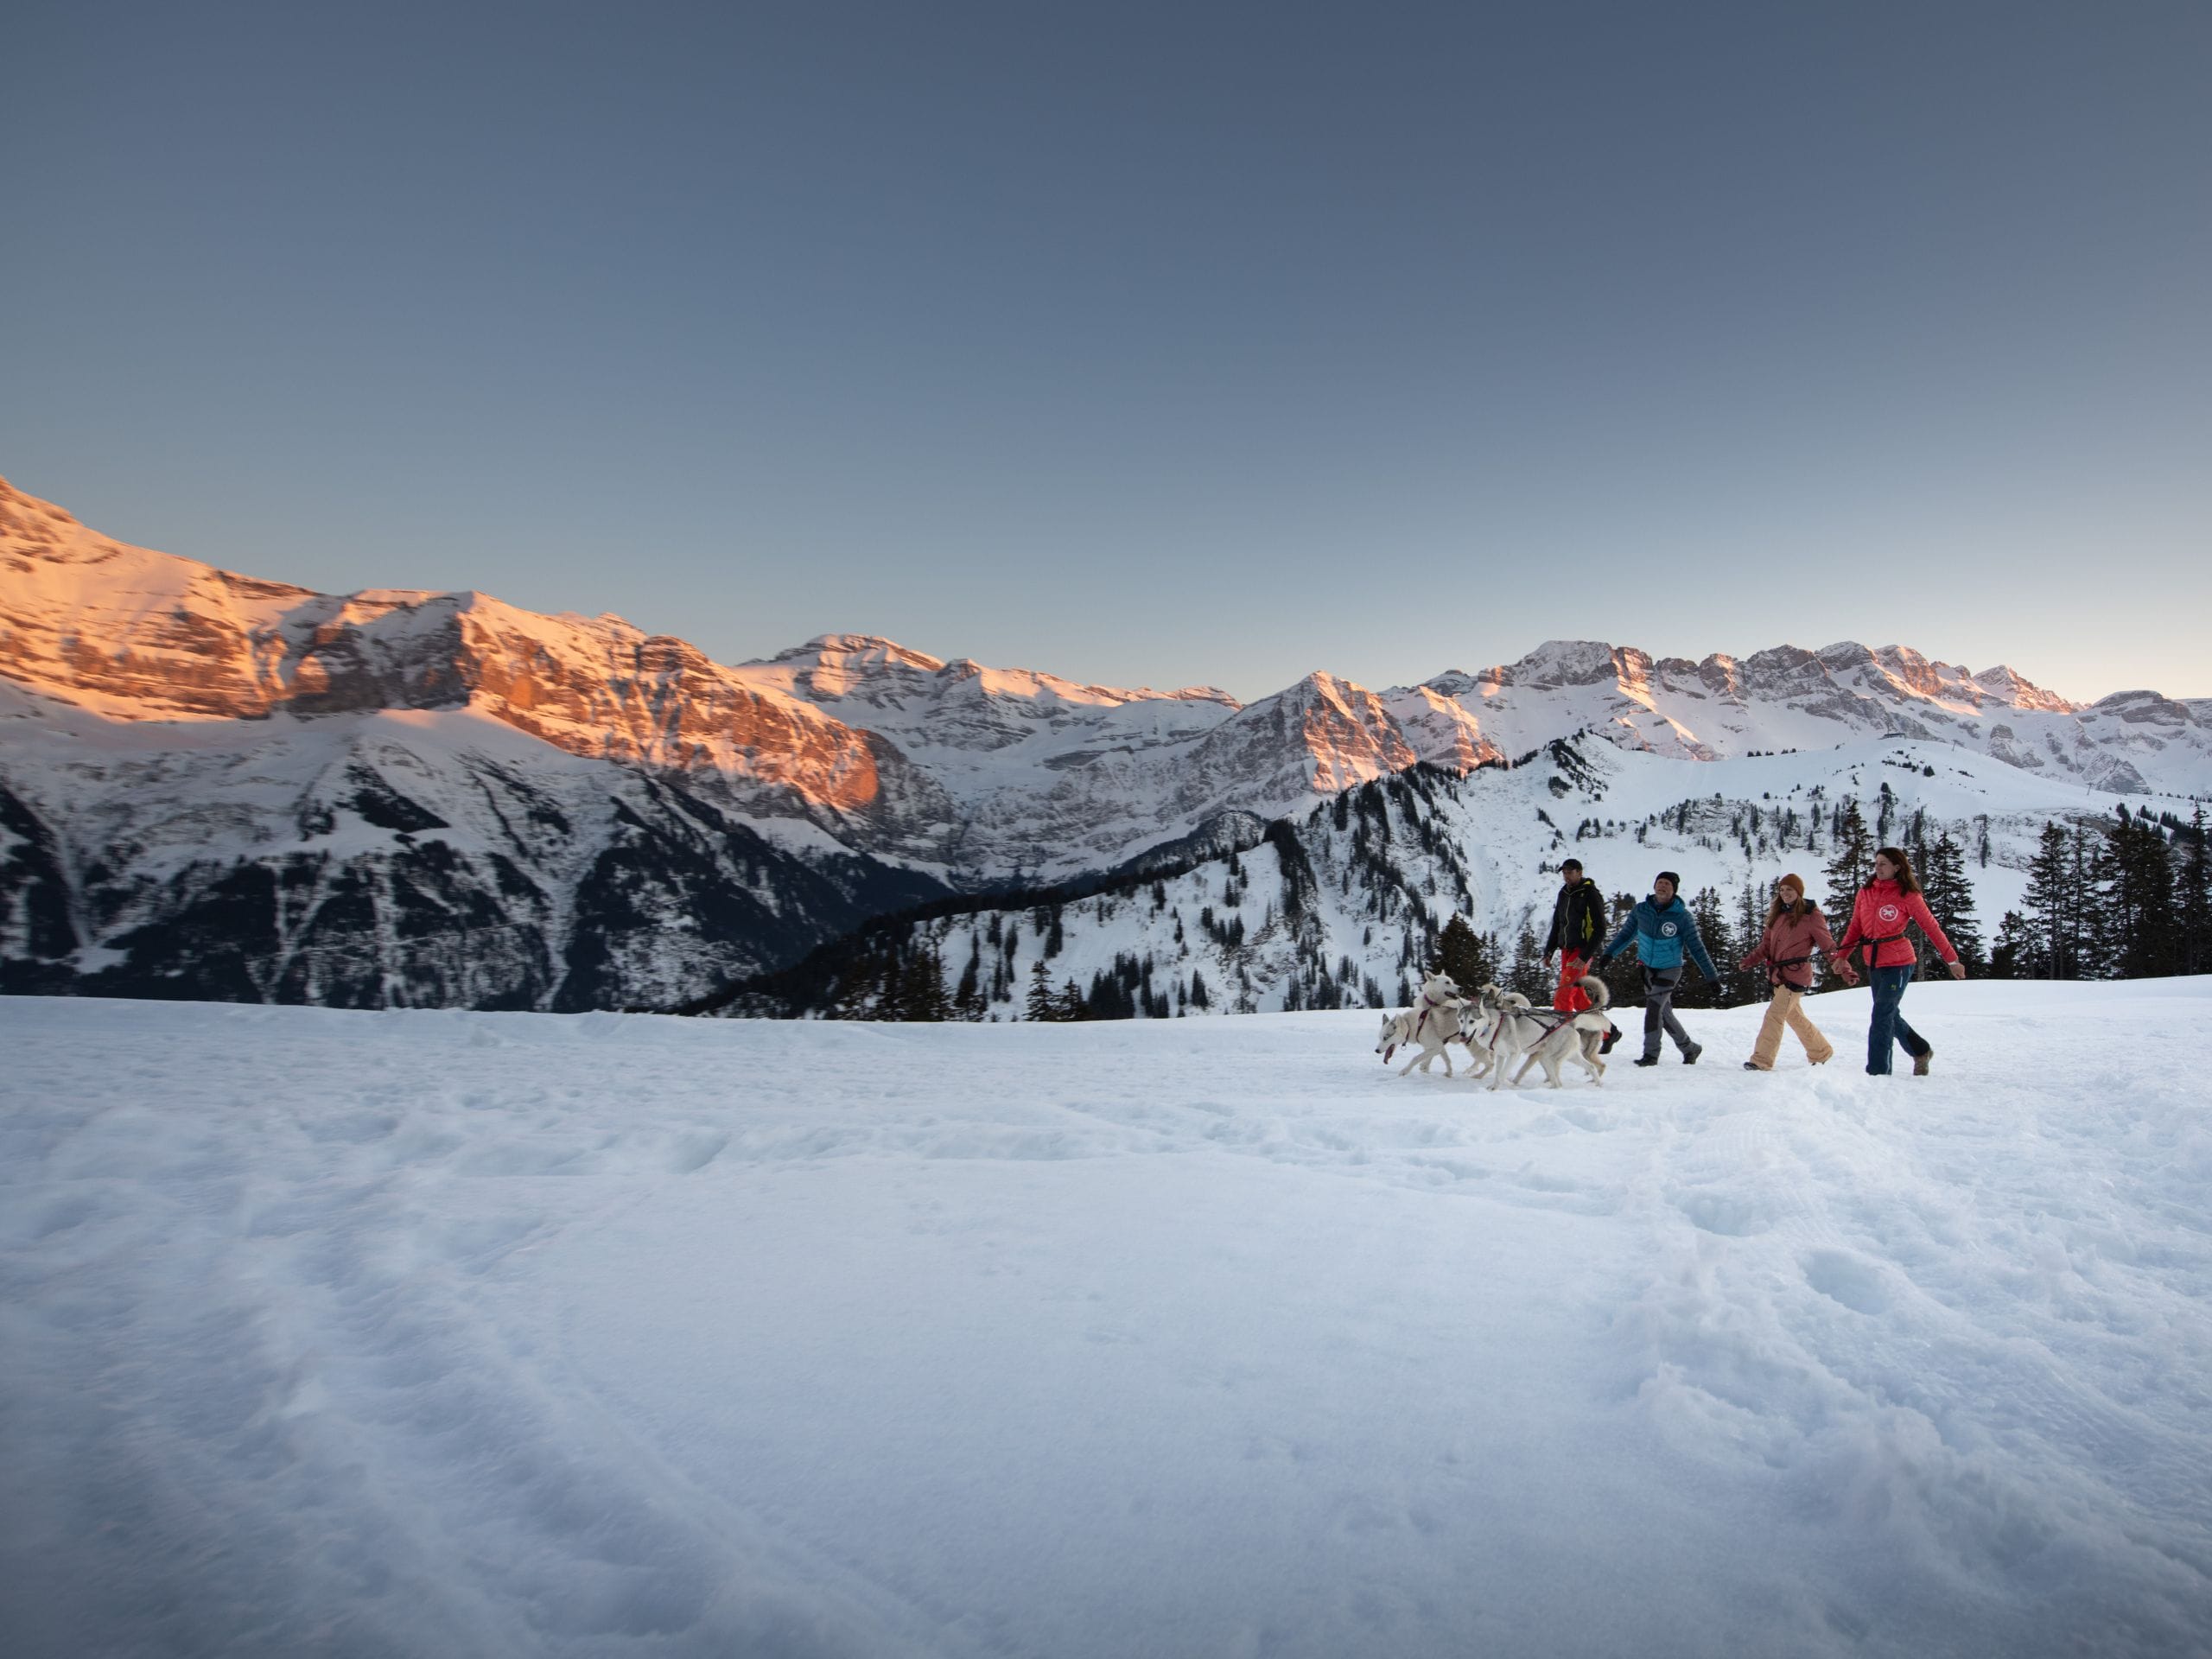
(1663, 933)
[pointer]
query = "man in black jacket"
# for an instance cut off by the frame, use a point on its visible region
(1578, 933)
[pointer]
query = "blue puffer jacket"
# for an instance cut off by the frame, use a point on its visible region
(1661, 935)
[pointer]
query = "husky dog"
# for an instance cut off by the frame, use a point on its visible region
(1431, 1022)
(1545, 1037)
(1479, 1031)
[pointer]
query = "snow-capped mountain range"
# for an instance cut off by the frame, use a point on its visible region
(214, 785)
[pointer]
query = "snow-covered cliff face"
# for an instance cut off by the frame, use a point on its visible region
(139, 635)
(391, 859)
(1789, 697)
(211, 784)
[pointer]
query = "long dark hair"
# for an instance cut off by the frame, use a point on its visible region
(1907, 881)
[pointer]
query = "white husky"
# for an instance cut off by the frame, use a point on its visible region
(1511, 1025)
(1431, 1022)
(1479, 1031)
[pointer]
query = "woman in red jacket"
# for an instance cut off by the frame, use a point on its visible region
(1885, 906)
(1794, 930)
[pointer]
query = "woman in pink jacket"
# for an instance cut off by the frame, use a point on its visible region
(1794, 930)
(1885, 908)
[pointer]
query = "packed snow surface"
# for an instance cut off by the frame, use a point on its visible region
(413, 1333)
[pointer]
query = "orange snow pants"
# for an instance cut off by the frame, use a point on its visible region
(1570, 998)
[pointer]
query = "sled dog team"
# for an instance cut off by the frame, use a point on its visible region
(1498, 1026)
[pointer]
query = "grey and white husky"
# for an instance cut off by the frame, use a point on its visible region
(1430, 1023)
(1508, 1025)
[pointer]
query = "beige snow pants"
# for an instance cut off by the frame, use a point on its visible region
(1788, 1008)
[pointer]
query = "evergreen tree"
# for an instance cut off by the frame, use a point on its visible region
(2089, 924)
(1710, 912)
(858, 992)
(1851, 865)
(968, 1001)
(2193, 900)
(1199, 999)
(1950, 898)
(2044, 909)
(1849, 868)
(2013, 955)
(1745, 984)
(1070, 1004)
(921, 987)
(1039, 1005)
(1526, 975)
(2138, 901)
(1464, 954)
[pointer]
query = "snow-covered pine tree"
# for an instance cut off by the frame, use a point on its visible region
(1950, 898)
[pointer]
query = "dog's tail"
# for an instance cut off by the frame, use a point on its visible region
(1594, 989)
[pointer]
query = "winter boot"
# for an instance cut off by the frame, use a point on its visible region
(1920, 1063)
(1753, 1066)
(1690, 1055)
(1648, 1059)
(1613, 1036)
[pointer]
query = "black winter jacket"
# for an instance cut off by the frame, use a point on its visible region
(1578, 920)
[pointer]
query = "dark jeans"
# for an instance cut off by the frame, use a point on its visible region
(1659, 1011)
(1889, 985)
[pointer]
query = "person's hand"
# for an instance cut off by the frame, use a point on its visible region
(1550, 964)
(1958, 970)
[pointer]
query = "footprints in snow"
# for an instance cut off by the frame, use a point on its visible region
(1857, 1283)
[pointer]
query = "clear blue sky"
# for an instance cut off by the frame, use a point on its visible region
(1146, 344)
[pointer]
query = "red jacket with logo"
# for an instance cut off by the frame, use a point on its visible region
(1879, 916)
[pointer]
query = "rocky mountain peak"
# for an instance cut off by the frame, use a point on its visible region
(1570, 662)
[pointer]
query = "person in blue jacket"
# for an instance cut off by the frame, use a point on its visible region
(1664, 929)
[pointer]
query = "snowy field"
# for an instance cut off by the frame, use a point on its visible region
(435, 1334)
